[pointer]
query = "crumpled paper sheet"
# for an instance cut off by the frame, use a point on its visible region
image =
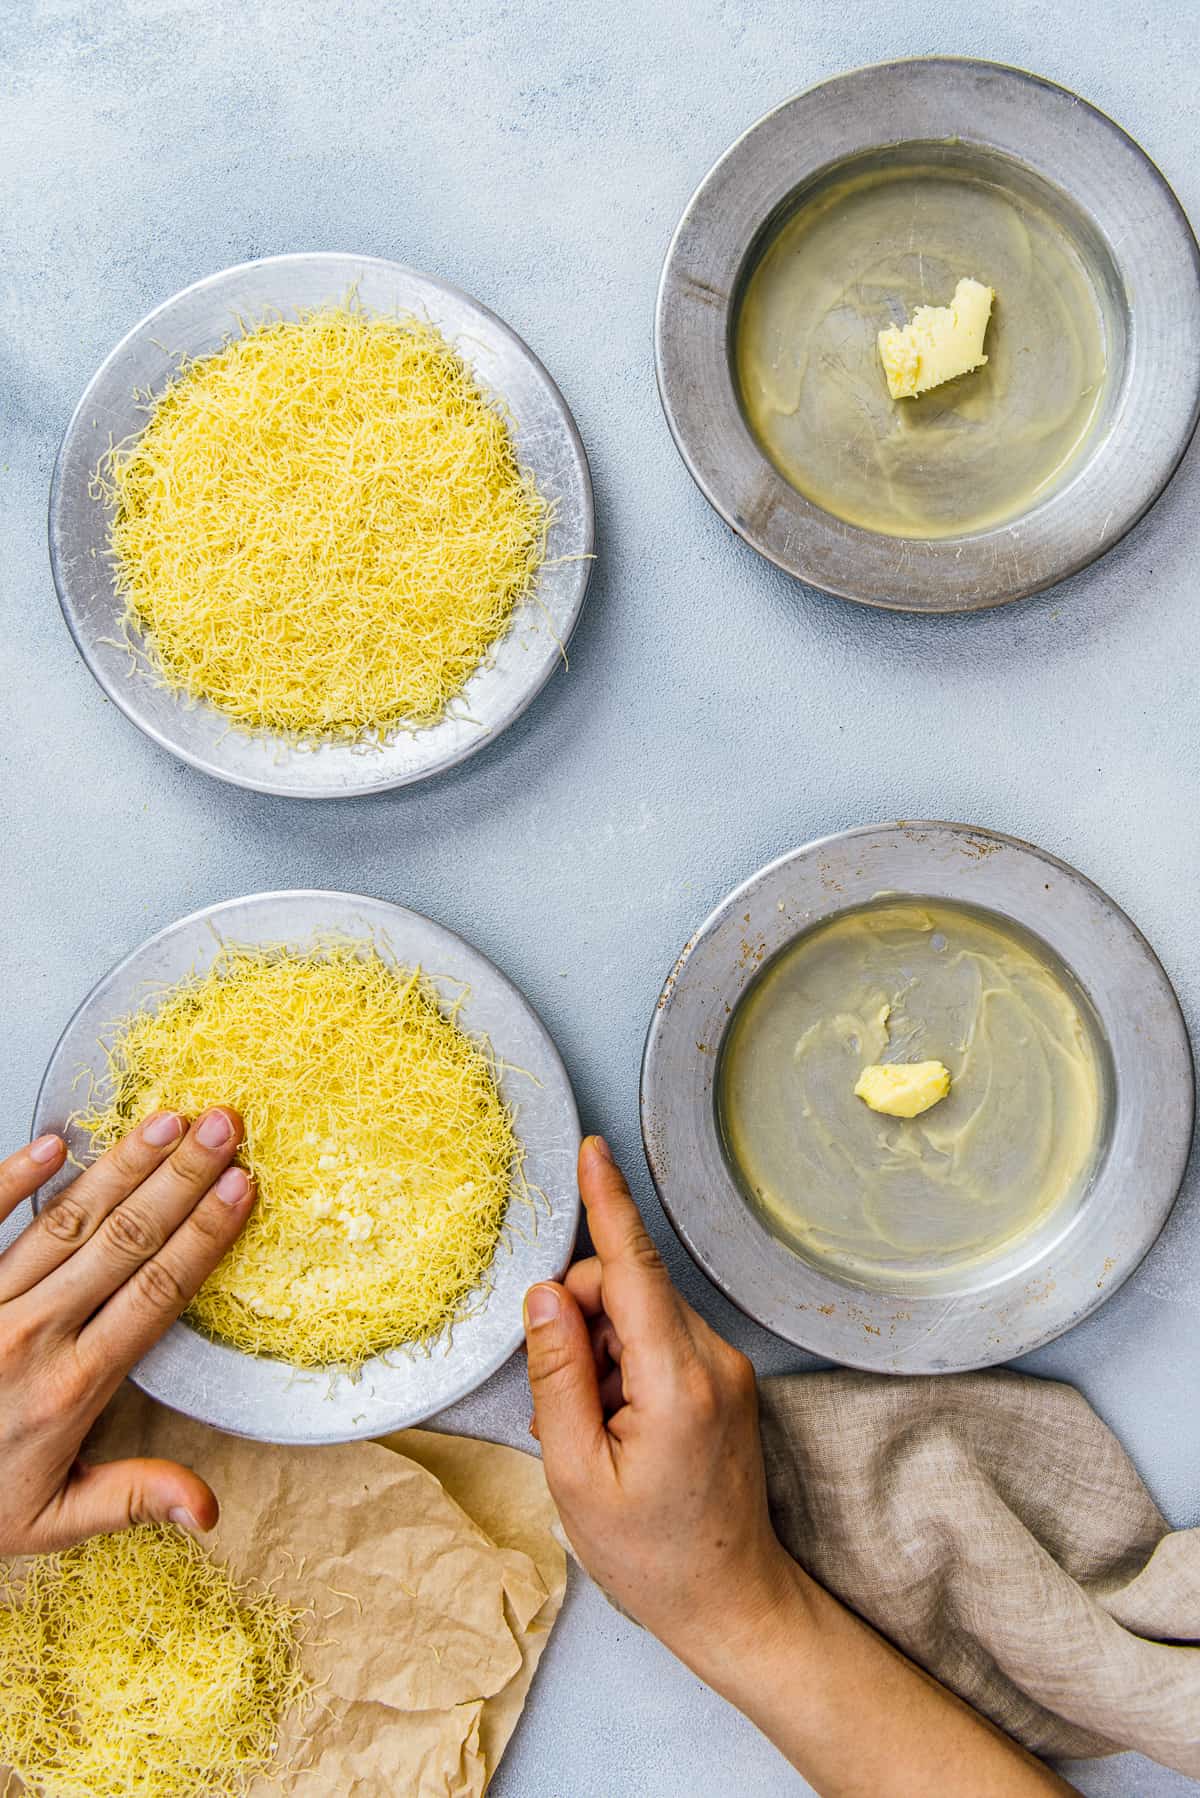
(434, 1580)
(505, 1493)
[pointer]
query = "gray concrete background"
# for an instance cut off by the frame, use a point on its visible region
(714, 713)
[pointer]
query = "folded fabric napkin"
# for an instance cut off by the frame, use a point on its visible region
(995, 1530)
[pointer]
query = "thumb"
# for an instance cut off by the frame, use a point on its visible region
(118, 1494)
(568, 1416)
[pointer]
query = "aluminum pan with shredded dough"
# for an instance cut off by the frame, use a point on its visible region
(196, 322)
(257, 1397)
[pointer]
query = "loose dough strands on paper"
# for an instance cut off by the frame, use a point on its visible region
(384, 1154)
(134, 1666)
(323, 528)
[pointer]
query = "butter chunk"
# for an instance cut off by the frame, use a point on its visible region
(938, 343)
(903, 1089)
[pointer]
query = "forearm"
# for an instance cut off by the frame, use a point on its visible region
(662, 1492)
(850, 1712)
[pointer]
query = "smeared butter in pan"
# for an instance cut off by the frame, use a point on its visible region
(1011, 1143)
(869, 249)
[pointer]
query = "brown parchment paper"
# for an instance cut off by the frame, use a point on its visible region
(432, 1577)
(505, 1493)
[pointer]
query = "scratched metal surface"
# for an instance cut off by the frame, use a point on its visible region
(715, 713)
(1061, 1272)
(1032, 138)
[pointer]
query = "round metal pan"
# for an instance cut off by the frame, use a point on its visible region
(253, 1395)
(1132, 1188)
(1144, 264)
(196, 322)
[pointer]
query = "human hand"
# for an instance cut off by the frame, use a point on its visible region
(648, 1423)
(649, 1429)
(102, 1272)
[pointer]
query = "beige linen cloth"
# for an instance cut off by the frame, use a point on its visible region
(994, 1529)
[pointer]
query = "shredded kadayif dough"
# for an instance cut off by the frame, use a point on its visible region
(384, 1154)
(134, 1666)
(323, 528)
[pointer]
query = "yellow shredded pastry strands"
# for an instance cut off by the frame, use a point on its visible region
(323, 528)
(384, 1154)
(134, 1666)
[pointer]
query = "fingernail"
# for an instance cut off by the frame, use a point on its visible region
(215, 1130)
(183, 1520)
(162, 1128)
(541, 1306)
(45, 1148)
(600, 1147)
(232, 1186)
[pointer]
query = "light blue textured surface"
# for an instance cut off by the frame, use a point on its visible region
(714, 713)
